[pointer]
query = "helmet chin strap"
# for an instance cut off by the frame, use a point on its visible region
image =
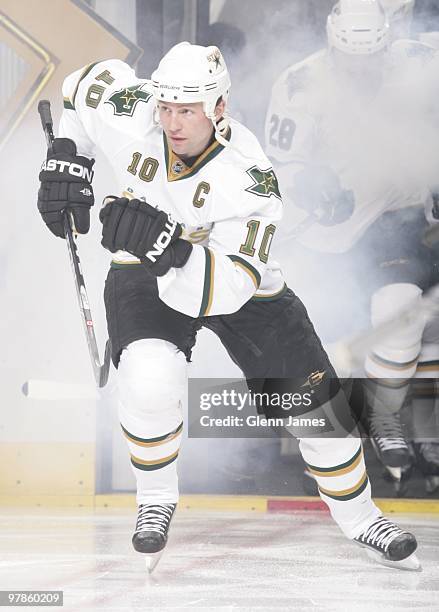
(220, 128)
(221, 138)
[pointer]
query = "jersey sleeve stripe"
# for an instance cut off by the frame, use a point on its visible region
(68, 105)
(247, 267)
(84, 73)
(209, 271)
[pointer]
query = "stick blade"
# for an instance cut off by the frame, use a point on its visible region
(54, 390)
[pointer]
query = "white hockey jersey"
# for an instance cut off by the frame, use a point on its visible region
(382, 145)
(228, 202)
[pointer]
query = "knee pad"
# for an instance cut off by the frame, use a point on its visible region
(152, 378)
(397, 355)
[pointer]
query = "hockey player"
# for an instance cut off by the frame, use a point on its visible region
(424, 387)
(191, 249)
(355, 221)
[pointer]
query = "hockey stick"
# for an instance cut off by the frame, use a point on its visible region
(100, 371)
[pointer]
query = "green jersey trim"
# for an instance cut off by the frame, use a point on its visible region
(271, 297)
(176, 168)
(118, 265)
(247, 267)
(209, 274)
(68, 105)
(84, 73)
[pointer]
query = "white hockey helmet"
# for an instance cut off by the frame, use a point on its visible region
(192, 73)
(358, 27)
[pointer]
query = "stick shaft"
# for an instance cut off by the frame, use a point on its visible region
(100, 371)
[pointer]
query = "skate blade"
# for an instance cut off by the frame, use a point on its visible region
(395, 473)
(410, 563)
(151, 560)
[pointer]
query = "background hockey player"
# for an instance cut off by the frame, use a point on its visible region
(357, 180)
(423, 390)
(205, 178)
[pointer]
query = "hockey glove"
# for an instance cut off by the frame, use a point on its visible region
(317, 189)
(145, 232)
(66, 187)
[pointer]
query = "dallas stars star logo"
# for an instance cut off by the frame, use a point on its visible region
(264, 182)
(215, 57)
(124, 100)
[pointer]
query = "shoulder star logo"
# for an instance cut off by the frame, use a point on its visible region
(124, 100)
(264, 182)
(314, 379)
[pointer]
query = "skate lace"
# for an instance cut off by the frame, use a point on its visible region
(385, 428)
(380, 534)
(154, 517)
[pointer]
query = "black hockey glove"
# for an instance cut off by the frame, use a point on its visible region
(66, 187)
(145, 232)
(317, 189)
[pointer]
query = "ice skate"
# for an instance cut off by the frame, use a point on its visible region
(427, 458)
(389, 444)
(389, 545)
(151, 532)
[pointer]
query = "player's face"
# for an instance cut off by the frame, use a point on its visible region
(186, 126)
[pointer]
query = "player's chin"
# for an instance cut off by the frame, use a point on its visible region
(179, 145)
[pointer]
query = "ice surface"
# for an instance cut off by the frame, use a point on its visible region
(214, 561)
